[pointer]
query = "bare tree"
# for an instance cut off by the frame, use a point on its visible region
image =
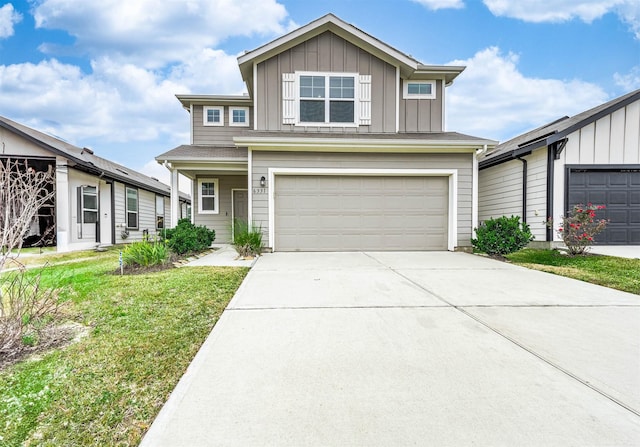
(23, 191)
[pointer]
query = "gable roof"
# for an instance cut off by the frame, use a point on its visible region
(329, 22)
(84, 159)
(554, 131)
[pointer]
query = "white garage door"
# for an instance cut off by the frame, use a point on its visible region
(350, 213)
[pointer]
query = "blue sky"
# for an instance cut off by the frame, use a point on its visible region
(104, 74)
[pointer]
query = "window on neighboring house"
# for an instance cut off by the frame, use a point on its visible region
(327, 99)
(213, 116)
(419, 90)
(159, 212)
(89, 204)
(208, 196)
(239, 116)
(132, 207)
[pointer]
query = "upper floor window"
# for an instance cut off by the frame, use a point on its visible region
(327, 99)
(419, 90)
(239, 116)
(213, 116)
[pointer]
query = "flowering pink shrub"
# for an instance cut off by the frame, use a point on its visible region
(579, 228)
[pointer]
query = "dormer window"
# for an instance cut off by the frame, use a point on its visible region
(419, 90)
(213, 116)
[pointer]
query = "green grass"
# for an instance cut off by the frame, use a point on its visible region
(609, 271)
(31, 256)
(107, 388)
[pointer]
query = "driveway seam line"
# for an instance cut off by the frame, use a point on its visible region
(515, 342)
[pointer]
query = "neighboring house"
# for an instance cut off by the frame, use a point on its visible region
(339, 145)
(591, 157)
(96, 201)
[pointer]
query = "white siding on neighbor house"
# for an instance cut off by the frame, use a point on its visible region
(500, 191)
(77, 240)
(262, 161)
(146, 213)
(220, 222)
(613, 139)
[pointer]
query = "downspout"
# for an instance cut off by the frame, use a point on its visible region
(113, 213)
(550, 174)
(524, 189)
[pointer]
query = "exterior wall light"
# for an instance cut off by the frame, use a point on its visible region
(263, 182)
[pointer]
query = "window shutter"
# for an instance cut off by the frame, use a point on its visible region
(365, 100)
(288, 98)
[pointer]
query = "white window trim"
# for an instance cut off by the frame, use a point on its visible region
(326, 74)
(246, 117)
(451, 174)
(205, 109)
(216, 195)
(407, 95)
(164, 221)
(126, 207)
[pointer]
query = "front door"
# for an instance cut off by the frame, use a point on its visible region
(240, 209)
(87, 213)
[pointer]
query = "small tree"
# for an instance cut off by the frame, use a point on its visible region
(580, 227)
(501, 236)
(23, 191)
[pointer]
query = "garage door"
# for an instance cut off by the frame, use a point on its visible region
(619, 190)
(349, 213)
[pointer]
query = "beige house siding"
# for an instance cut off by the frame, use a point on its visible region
(422, 115)
(463, 163)
(216, 135)
(500, 191)
(326, 52)
(220, 222)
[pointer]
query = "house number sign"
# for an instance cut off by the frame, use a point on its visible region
(259, 190)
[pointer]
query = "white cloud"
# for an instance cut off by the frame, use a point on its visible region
(563, 10)
(441, 4)
(629, 81)
(152, 33)
(491, 98)
(8, 18)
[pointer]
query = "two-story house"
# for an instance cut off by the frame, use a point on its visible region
(338, 145)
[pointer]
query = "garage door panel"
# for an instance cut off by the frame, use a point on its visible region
(619, 191)
(333, 213)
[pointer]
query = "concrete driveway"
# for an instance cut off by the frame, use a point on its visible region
(396, 349)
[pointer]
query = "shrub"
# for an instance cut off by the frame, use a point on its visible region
(501, 236)
(26, 309)
(145, 254)
(247, 239)
(580, 227)
(187, 238)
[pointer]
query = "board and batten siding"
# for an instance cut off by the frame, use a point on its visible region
(500, 191)
(216, 135)
(262, 161)
(422, 115)
(613, 139)
(220, 222)
(326, 52)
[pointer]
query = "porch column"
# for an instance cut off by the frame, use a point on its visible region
(63, 215)
(175, 197)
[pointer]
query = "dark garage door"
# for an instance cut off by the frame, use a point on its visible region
(619, 190)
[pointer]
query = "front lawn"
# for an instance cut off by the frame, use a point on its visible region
(106, 389)
(609, 271)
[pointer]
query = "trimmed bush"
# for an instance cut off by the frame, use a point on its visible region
(145, 254)
(188, 238)
(501, 236)
(247, 239)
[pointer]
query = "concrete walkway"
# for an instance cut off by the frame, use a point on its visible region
(395, 349)
(223, 256)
